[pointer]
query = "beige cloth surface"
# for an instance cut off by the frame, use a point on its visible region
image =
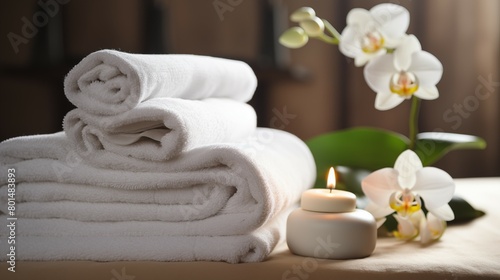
(466, 251)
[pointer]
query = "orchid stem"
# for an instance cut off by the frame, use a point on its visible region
(415, 107)
(332, 30)
(327, 39)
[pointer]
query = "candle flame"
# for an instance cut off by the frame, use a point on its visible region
(331, 179)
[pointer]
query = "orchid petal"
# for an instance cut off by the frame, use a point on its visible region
(361, 59)
(390, 42)
(386, 100)
(378, 211)
(392, 19)
(379, 71)
(431, 229)
(406, 229)
(426, 67)
(425, 233)
(444, 212)
(435, 186)
(379, 185)
(427, 93)
(417, 217)
(407, 164)
(403, 54)
(350, 44)
(358, 16)
(435, 224)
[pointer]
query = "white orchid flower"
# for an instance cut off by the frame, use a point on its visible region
(369, 33)
(401, 189)
(408, 71)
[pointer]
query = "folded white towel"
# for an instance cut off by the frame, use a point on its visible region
(161, 128)
(59, 239)
(88, 203)
(109, 82)
(254, 180)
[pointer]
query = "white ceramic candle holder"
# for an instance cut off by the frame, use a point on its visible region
(329, 226)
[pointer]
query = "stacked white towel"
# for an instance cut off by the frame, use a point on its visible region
(157, 106)
(165, 178)
(109, 82)
(161, 128)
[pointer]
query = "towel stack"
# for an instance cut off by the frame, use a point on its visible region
(161, 160)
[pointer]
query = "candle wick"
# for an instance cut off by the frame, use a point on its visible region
(331, 190)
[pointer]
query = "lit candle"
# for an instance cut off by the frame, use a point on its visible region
(328, 200)
(328, 225)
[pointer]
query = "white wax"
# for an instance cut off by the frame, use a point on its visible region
(324, 200)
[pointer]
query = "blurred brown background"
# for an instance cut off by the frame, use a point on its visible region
(318, 87)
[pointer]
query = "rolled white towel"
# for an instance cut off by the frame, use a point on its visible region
(109, 82)
(161, 128)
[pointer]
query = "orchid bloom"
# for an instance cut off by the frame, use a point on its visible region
(369, 33)
(408, 71)
(401, 189)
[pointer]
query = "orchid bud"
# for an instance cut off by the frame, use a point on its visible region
(313, 27)
(294, 38)
(302, 14)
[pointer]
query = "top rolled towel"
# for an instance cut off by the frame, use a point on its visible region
(110, 82)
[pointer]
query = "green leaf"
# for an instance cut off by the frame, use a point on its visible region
(463, 211)
(391, 224)
(349, 179)
(431, 146)
(358, 148)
